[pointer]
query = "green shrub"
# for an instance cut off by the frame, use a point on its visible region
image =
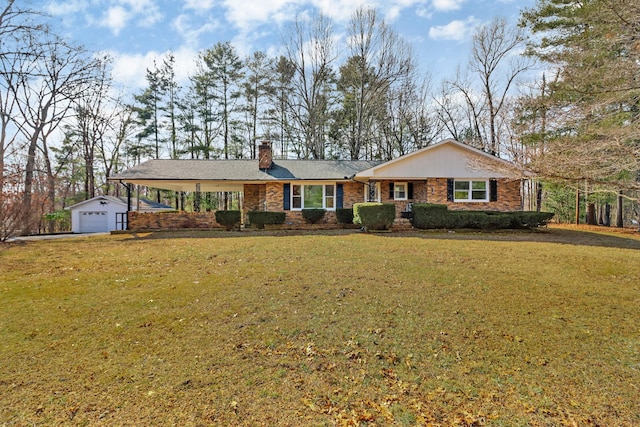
(479, 220)
(260, 218)
(228, 219)
(344, 215)
(429, 215)
(313, 215)
(528, 219)
(374, 216)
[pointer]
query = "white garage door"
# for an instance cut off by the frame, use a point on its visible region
(93, 221)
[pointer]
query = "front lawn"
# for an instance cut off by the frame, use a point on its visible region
(339, 328)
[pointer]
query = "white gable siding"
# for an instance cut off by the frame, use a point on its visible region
(444, 161)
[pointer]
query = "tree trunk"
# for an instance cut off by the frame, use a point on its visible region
(577, 206)
(27, 196)
(538, 196)
(591, 214)
(619, 221)
(600, 212)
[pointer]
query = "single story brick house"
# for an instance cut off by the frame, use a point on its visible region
(447, 172)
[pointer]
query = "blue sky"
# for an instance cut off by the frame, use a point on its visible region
(135, 32)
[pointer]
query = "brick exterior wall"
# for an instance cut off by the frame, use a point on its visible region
(274, 196)
(434, 190)
(353, 193)
(509, 198)
(270, 196)
(139, 221)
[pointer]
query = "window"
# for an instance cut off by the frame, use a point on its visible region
(313, 196)
(470, 191)
(400, 191)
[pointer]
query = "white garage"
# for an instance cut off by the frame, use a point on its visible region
(93, 221)
(107, 213)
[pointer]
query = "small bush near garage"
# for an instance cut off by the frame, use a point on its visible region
(313, 215)
(57, 221)
(374, 216)
(344, 215)
(433, 216)
(260, 218)
(228, 219)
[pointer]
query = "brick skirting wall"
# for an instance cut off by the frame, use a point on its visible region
(138, 221)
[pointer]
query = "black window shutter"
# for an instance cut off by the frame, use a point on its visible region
(339, 196)
(286, 199)
(493, 190)
(450, 190)
(391, 188)
(410, 191)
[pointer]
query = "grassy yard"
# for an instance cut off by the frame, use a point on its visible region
(344, 328)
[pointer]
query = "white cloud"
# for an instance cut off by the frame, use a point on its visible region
(423, 12)
(199, 4)
(115, 18)
(341, 10)
(145, 13)
(248, 13)
(130, 70)
(447, 5)
(62, 8)
(190, 32)
(146, 10)
(455, 30)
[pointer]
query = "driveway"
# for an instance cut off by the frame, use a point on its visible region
(53, 236)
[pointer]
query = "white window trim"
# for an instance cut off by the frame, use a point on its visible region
(406, 191)
(324, 194)
(469, 199)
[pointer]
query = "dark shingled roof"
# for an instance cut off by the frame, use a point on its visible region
(244, 170)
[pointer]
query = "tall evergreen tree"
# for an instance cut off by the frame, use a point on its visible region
(592, 108)
(255, 89)
(147, 108)
(226, 72)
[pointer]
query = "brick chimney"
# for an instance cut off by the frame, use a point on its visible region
(265, 156)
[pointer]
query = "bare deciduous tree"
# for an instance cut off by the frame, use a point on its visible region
(310, 49)
(380, 62)
(50, 85)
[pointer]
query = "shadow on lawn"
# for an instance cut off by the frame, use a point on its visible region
(584, 236)
(547, 235)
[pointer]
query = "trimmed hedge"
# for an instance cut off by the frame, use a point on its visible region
(531, 219)
(344, 215)
(374, 216)
(313, 215)
(228, 219)
(428, 216)
(478, 220)
(260, 218)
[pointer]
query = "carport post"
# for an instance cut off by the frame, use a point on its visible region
(128, 202)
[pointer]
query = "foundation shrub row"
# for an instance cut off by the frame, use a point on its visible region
(434, 216)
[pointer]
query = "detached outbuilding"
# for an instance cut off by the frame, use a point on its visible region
(108, 213)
